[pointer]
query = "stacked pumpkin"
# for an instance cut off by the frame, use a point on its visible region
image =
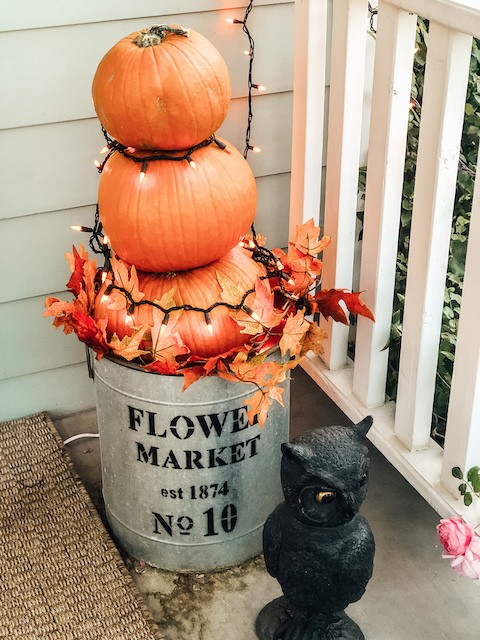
(178, 221)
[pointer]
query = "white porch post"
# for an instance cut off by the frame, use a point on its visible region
(462, 442)
(349, 33)
(446, 75)
(308, 111)
(386, 158)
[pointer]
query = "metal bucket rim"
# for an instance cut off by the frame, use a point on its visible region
(135, 366)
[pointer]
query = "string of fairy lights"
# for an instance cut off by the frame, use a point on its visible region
(99, 242)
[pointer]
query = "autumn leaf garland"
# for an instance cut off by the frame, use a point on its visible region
(276, 317)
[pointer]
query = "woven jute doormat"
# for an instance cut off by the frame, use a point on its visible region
(61, 577)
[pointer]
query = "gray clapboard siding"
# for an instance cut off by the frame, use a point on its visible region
(51, 137)
(60, 391)
(43, 270)
(43, 267)
(57, 171)
(50, 76)
(34, 344)
(31, 14)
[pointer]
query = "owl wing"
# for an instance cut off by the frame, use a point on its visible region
(356, 565)
(272, 541)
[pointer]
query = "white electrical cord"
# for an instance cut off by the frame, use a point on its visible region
(81, 435)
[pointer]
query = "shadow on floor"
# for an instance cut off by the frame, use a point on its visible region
(413, 595)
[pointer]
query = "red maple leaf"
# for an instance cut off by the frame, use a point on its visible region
(329, 304)
(90, 332)
(75, 284)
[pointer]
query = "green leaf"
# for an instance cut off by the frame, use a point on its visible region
(472, 474)
(462, 488)
(467, 499)
(457, 473)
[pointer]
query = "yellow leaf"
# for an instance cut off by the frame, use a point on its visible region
(231, 292)
(128, 347)
(295, 328)
(313, 340)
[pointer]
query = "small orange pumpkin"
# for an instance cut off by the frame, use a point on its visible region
(199, 288)
(157, 89)
(177, 217)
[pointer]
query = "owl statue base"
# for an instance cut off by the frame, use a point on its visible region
(315, 543)
(278, 620)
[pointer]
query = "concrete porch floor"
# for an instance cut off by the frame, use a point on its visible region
(413, 595)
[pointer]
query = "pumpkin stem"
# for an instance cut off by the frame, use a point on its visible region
(156, 33)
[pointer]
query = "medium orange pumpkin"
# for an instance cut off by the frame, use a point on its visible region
(199, 288)
(177, 217)
(161, 92)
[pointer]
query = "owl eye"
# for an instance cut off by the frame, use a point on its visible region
(325, 497)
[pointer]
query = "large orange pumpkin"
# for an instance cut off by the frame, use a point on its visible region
(199, 288)
(177, 217)
(154, 92)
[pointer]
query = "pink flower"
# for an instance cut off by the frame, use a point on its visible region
(462, 547)
(455, 535)
(468, 565)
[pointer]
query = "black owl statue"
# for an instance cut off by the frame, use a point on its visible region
(316, 544)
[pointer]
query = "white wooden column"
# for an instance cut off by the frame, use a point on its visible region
(462, 443)
(386, 159)
(349, 33)
(446, 75)
(308, 111)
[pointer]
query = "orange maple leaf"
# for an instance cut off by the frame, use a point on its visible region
(166, 343)
(260, 402)
(262, 314)
(125, 276)
(307, 239)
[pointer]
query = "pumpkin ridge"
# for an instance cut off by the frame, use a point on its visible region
(186, 88)
(219, 87)
(203, 80)
(126, 89)
(229, 185)
(157, 65)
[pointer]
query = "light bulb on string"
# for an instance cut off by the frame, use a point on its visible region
(254, 149)
(233, 21)
(208, 322)
(143, 171)
(163, 326)
(98, 164)
(191, 162)
(105, 149)
(80, 227)
(247, 244)
(251, 313)
(129, 316)
(259, 87)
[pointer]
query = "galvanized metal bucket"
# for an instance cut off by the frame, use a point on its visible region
(187, 483)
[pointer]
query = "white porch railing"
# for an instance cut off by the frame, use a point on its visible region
(401, 431)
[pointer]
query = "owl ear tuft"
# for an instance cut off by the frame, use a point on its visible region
(292, 451)
(362, 428)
